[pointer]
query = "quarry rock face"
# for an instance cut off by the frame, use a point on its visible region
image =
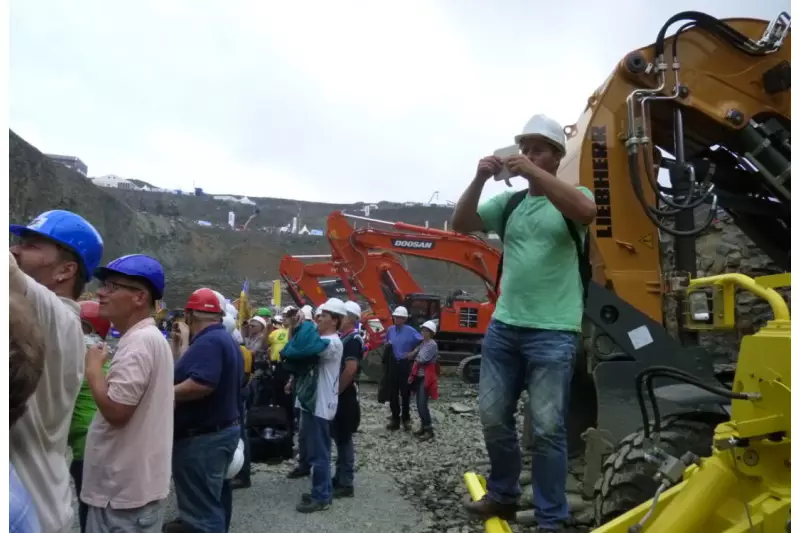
(166, 226)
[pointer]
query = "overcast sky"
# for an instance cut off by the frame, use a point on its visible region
(323, 101)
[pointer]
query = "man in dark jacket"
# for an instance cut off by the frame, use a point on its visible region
(348, 413)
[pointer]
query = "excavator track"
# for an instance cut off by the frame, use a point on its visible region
(469, 369)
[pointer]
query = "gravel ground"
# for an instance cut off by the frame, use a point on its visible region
(402, 485)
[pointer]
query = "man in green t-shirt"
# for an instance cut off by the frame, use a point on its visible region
(532, 338)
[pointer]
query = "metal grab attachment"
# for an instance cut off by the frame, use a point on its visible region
(476, 485)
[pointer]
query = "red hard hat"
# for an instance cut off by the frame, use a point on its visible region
(90, 313)
(204, 300)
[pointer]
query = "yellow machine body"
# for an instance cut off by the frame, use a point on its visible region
(746, 484)
(625, 245)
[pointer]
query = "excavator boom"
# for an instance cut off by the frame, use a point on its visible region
(466, 251)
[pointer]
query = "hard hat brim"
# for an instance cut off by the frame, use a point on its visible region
(101, 273)
(23, 231)
(519, 138)
(19, 230)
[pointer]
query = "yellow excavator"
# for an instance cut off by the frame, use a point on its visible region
(713, 454)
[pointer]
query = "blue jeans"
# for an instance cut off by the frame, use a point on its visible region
(199, 465)
(542, 361)
(422, 401)
(318, 448)
(226, 497)
(345, 459)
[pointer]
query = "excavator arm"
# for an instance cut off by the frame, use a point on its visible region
(303, 279)
(466, 251)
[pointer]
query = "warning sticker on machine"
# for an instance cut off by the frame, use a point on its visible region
(647, 240)
(640, 337)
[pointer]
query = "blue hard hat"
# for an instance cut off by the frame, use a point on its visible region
(136, 266)
(69, 230)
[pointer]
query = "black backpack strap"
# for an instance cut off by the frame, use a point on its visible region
(582, 249)
(513, 203)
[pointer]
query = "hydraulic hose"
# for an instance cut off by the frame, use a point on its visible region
(645, 379)
(712, 25)
(652, 213)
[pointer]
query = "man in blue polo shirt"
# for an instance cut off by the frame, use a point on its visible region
(403, 339)
(208, 383)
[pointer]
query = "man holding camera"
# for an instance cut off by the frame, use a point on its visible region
(532, 338)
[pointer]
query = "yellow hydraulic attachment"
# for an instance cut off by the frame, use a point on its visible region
(746, 483)
(476, 485)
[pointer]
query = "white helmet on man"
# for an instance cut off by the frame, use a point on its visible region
(307, 312)
(400, 312)
(546, 128)
(334, 306)
(353, 308)
(229, 323)
(430, 325)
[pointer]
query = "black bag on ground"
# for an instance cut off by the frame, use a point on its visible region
(268, 424)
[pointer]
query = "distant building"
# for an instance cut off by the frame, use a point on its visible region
(70, 161)
(228, 198)
(115, 182)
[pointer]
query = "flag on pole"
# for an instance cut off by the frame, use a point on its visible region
(276, 294)
(242, 318)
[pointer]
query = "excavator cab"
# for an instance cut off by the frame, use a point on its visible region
(421, 308)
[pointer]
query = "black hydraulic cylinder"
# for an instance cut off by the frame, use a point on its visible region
(685, 247)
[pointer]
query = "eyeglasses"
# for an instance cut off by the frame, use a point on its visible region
(113, 286)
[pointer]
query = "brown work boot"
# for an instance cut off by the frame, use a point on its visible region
(394, 425)
(406, 425)
(486, 508)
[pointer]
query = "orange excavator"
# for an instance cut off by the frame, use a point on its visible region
(305, 286)
(462, 318)
(313, 283)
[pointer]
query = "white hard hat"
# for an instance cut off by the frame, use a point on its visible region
(334, 306)
(306, 309)
(278, 319)
(229, 323)
(259, 320)
(400, 311)
(353, 308)
(237, 462)
(221, 300)
(545, 127)
(431, 325)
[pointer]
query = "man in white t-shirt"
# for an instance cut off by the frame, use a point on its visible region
(316, 425)
(50, 263)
